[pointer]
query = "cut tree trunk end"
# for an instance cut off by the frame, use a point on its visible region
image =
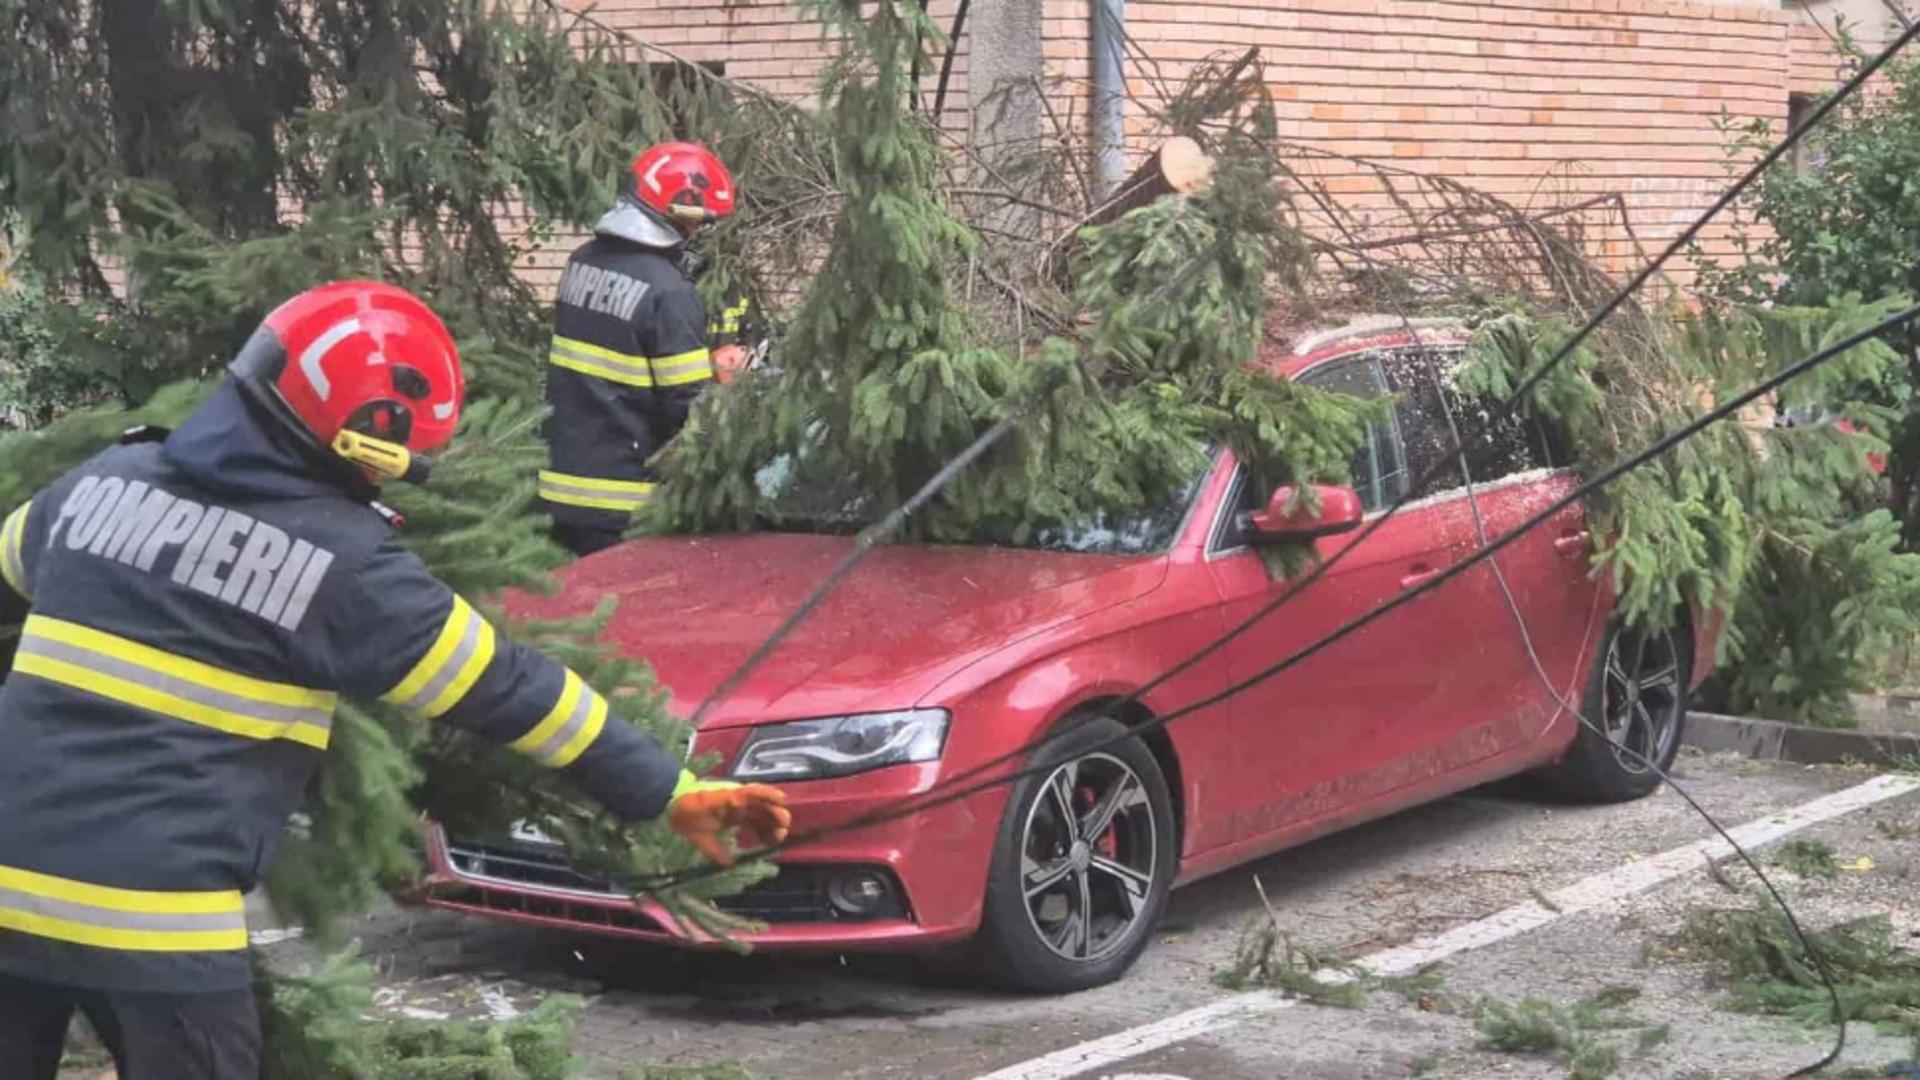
(1177, 167)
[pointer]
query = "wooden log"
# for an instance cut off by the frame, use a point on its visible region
(1177, 167)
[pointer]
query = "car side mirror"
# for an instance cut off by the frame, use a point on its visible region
(1339, 511)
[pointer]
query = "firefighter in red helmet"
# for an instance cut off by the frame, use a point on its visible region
(630, 343)
(195, 603)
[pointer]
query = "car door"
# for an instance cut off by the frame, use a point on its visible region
(1555, 596)
(1347, 723)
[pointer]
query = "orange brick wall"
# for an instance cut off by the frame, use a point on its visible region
(769, 43)
(1542, 102)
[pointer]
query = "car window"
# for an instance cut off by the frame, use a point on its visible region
(1423, 388)
(1378, 470)
(1379, 467)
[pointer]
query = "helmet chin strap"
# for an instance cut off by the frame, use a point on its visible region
(382, 460)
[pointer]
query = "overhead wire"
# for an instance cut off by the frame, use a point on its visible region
(954, 789)
(1566, 705)
(948, 793)
(1837, 1012)
(1504, 410)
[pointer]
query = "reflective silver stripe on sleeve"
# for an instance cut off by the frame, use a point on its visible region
(116, 919)
(471, 633)
(632, 371)
(560, 491)
(548, 750)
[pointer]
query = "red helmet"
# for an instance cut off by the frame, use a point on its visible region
(362, 358)
(682, 181)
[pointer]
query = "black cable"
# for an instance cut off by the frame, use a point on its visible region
(914, 805)
(1687, 235)
(1500, 414)
(946, 63)
(1837, 1011)
(867, 540)
(1505, 409)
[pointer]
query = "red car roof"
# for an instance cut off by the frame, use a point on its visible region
(1359, 335)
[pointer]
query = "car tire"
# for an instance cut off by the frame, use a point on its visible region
(1045, 881)
(1638, 692)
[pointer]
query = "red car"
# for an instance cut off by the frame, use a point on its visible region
(932, 659)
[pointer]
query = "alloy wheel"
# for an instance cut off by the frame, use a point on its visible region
(1643, 697)
(1088, 856)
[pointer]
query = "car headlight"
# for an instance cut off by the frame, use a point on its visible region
(842, 745)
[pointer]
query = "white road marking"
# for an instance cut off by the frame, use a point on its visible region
(1596, 892)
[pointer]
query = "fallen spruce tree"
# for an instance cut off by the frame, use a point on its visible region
(886, 365)
(420, 145)
(151, 266)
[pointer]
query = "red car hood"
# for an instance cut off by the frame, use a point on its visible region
(909, 617)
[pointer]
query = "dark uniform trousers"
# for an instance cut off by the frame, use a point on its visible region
(151, 1036)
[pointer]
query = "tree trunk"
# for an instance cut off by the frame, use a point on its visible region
(1178, 167)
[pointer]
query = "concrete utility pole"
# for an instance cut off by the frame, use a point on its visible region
(1003, 47)
(1109, 95)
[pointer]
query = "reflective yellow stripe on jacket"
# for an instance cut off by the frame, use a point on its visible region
(109, 918)
(592, 491)
(12, 566)
(729, 322)
(458, 657)
(115, 668)
(568, 728)
(600, 362)
(695, 365)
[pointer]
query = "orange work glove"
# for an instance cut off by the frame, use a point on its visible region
(728, 361)
(701, 809)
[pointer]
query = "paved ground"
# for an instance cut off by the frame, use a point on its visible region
(1443, 868)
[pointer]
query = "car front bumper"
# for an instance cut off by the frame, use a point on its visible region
(934, 861)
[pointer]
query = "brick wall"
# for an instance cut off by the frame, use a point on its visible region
(1541, 102)
(769, 43)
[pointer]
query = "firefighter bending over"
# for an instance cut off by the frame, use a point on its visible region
(630, 351)
(195, 605)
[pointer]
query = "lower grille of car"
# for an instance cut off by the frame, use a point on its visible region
(800, 894)
(468, 896)
(524, 863)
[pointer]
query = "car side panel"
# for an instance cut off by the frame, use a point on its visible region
(1379, 805)
(1560, 600)
(1111, 662)
(1367, 713)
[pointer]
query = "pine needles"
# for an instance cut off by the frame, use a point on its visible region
(1267, 958)
(1805, 858)
(1570, 1033)
(315, 1027)
(1764, 970)
(887, 368)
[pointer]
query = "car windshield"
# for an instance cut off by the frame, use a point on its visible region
(793, 506)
